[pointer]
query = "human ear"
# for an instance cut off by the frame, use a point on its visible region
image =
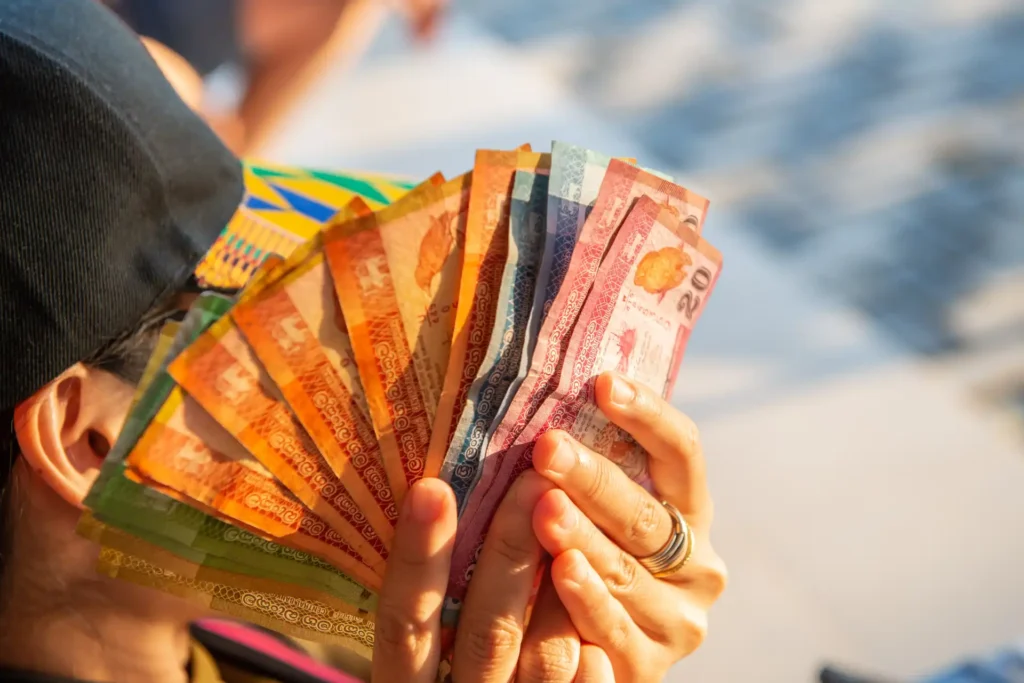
(67, 428)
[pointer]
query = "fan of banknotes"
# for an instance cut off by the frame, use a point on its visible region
(276, 432)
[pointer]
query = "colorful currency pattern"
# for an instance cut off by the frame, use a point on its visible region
(220, 371)
(647, 296)
(482, 270)
(381, 333)
(506, 353)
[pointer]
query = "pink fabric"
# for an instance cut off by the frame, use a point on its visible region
(261, 642)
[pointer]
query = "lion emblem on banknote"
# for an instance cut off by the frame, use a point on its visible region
(434, 250)
(662, 270)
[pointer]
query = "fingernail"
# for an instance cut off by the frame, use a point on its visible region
(623, 392)
(567, 517)
(425, 503)
(564, 457)
(578, 571)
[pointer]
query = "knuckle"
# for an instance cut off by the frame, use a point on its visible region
(600, 480)
(624, 576)
(492, 642)
(408, 564)
(715, 577)
(646, 521)
(684, 437)
(692, 432)
(694, 632)
(552, 661)
(408, 561)
(586, 536)
(618, 636)
(515, 549)
(689, 630)
(397, 632)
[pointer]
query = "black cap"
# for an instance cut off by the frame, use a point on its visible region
(111, 189)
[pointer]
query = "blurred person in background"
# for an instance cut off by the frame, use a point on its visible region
(1003, 666)
(113, 190)
(260, 46)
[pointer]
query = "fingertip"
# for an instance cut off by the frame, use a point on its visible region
(552, 453)
(429, 500)
(603, 386)
(549, 506)
(570, 570)
(550, 519)
(615, 391)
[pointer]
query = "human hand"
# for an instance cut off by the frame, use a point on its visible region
(423, 15)
(595, 524)
(492, 621)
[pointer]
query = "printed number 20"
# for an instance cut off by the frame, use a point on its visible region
(690, 300)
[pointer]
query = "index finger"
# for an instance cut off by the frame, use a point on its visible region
(493, 619)
(670, 438)
(407, 643)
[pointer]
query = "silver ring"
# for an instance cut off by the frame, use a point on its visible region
(677, 549)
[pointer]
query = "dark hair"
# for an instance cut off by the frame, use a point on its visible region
(124, 356)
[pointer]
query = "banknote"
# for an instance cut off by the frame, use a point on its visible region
(369, 305)
(648, 295)
(297, 616)
(576, 177)
(636, 319)
(214, 544)
(284, 251)
(505, 353)
(577, 174)
(221, 372)
(141, 477)
(242, 579)
(295, 328)
(118, 501)
(622, 185)
(482, 270)
(422, 237)
(148, 397)
(185, 450)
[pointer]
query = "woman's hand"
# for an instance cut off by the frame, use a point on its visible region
(617, 622)
(595, 524)
(492, 621)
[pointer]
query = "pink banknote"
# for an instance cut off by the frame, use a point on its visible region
(623, 185)
(648, 294)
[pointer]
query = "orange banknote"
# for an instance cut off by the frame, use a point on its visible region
(220, 371)
(295, 329)
(482, 268)
(422, 236)
(368, 258)
(186, 451)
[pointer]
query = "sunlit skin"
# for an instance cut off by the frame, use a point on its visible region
(599, 616)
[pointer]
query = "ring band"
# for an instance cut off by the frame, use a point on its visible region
(677, 549)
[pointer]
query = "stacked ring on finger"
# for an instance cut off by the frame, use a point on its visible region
(677, 550)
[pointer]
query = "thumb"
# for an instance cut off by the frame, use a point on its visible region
(408, 630)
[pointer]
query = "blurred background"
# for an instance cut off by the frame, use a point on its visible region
(859, 376)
